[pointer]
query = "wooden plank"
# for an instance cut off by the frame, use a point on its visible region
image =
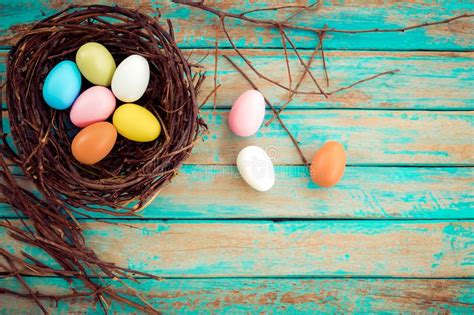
(201, 191)
(416, 86)
(242, 296)
(199, 31)
(292, 248)
(369, 137)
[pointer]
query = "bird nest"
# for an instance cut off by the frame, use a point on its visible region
(133, 173)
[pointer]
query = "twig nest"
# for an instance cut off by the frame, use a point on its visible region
(132, 171)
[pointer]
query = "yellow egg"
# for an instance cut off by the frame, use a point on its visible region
(136, 123)
(96, 63)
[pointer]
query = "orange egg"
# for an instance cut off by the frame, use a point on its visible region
(94, 142)
(328, 164)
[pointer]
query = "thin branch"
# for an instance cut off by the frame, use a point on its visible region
(216, 53)
(283, 41)
(277, 24)
(304, 64)
(274, 9)
(282, 108)
(295, 142)
(315, 50)
(258, 73)
(56, 297)
(363, 80)
(317, 3)
(209, 95)
(325, 68)
(25, 285)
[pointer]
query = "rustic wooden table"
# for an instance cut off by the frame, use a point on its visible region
(395, 235)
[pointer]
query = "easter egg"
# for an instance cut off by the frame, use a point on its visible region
(247, 113)
(62, 85)
(94, 142)
(96, 63)
(328, 164)
(136, 123)
(94, 104)
(131, 78)
(256, 168)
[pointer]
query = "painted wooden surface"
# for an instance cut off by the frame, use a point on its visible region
(402, 215)
(194, 28)
(369, 137)
(416, 86)
(201, 192)
(291, 248)
(274, 296)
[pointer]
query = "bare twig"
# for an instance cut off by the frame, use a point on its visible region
(274, 9)
(213, 92)
(363, 80)
(247, 61)
(282, 108)
(283, 41)
(304, 65)
(315, 4)
(292, 94)
(276, 24)
(295, 142)
(216, 54)
(325, 68)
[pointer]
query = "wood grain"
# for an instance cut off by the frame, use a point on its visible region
(202, 192)
(195, 28)
(416, 86)
(291, 248)
(269, 296)
(369, 137)
(421, 116)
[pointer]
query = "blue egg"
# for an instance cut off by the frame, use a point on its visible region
(62, 85)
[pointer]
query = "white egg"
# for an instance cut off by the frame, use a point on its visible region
(131, 78)
(256, 168)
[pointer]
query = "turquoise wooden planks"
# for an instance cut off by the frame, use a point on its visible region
(328, 248)
(370, 137)
(195, 28)
(293, 248)
(416, 86)
(270, 296)
(204, 192)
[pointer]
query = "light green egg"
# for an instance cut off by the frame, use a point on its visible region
(96, 63)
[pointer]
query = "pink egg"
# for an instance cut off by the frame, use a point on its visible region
(247, 113)
(93, 105)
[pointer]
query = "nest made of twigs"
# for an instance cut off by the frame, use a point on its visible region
(42, 136)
